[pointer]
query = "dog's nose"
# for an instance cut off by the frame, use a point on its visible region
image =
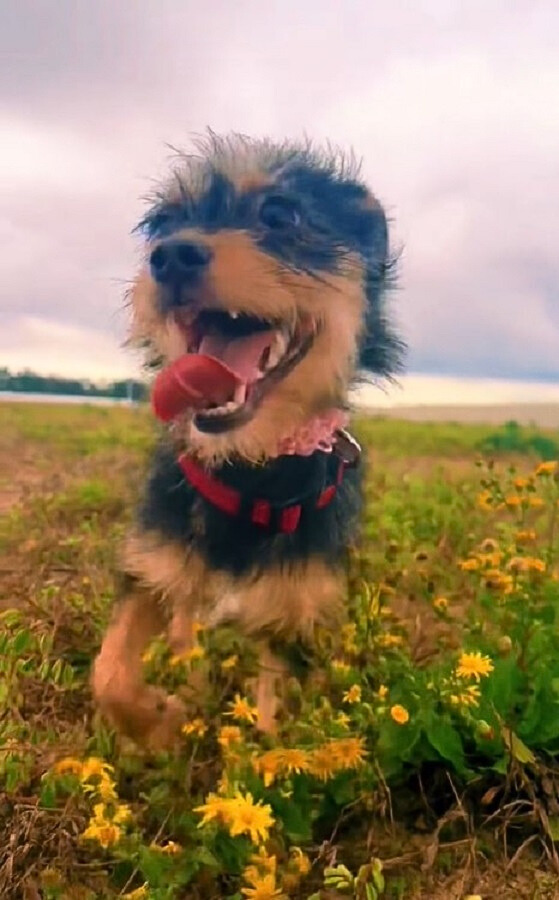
(178, 262)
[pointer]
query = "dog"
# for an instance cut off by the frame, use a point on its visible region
(265, 277)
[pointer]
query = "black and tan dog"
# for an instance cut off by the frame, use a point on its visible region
(272, 260)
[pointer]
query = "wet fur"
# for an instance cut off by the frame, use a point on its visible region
(186, 560)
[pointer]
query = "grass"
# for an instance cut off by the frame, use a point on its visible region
(419, 760)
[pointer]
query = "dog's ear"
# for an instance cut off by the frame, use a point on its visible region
(381, 351)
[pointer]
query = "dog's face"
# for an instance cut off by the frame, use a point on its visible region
(272, 260)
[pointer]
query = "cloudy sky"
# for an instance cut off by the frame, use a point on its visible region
(451, 104)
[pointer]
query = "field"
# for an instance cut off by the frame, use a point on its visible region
(419, 759)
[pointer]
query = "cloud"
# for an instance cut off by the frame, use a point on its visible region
(447, 103)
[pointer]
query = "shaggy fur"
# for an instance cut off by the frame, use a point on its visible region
(289, 235)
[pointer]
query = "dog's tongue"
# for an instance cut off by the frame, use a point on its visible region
(200, 380)
(193, 381)
(241, 354)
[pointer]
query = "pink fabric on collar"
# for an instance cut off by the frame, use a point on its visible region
(316, 434)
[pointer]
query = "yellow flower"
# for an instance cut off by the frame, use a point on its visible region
(536, 502)
(440, 603)
(521, 483)
(322, 763)
(470, 697)
(353, 695)
(349, 753)
(197, 727)
(105, 833)
(499, 581)
(106, 790)
(490, 559)
(169, 849)
(525, 537)
(343, 720)
(340, 666)
(382, 692)
(265, 863)
(264, 889)
(485, 500)
(294, 760)
(241, 815)
(215, 809)
(513, 501)
(349, 632)
(68, 766)
(228, 736)
(269, 765)
(141, 893)
(469, 565)
(473, 665)
(241, 709)
(196, 652)
(390, 640)
(147, 657)
(299, 861)
(526, 564)
(229, 663)
(247, 817)
(122, 814)
(400, 714)
(197, 628)
(547, 468)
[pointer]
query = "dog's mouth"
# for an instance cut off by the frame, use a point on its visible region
(247, 355)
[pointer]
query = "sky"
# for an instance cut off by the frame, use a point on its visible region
(450, 105)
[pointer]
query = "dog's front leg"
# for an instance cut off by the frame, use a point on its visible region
(140, 711)
(270, 686)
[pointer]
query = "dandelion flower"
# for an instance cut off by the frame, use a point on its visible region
(382, 692)
(197, 727)
(68, 766)
(353, 694)
(536, 502)
(440, 603)
(241, 709)
(474, 665)
(294, 760)
(349, 753)
(400, 714)
(105, 833)
(244, 816)
(229, 736)
(322, 763)
(264, 889)
(215, 809)
(513, 501)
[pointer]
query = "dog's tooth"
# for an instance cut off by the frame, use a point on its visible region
(277, 350)
(240, 394)
(234, 315)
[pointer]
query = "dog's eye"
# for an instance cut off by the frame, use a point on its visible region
(279, 212)
(163, 220)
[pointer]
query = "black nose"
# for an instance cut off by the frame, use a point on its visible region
(178, 262)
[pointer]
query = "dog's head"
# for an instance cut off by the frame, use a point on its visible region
(273, 260)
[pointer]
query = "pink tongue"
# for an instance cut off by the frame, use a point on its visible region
(194, 381)
(241, 354)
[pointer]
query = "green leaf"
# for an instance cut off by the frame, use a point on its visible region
(446, 741)
(518, 748)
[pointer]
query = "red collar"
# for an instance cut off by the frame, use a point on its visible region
(230, 501)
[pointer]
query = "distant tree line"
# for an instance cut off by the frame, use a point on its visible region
(30, 383)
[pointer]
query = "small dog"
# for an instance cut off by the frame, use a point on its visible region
(267, 264)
